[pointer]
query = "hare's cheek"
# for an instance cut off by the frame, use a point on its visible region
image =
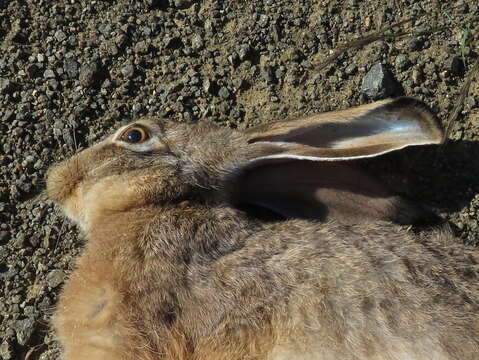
(111, 194)
(90, 200)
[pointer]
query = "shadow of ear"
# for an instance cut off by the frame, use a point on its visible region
(444, 178)
(322, 190)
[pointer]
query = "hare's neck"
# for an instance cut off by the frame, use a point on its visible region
(156, 257)
(166, 237)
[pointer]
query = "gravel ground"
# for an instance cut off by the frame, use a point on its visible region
(70, 70)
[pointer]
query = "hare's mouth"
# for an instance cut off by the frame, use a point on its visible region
(64, 182)
(66, 177)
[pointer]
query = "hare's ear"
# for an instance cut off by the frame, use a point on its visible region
(364, 131)
(305, 168)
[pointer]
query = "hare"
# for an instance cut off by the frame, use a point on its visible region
(174, 269)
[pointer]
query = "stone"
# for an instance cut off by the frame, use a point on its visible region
(4, 236)
(224, 93)
(55, 278)
(24, 330)
(197, 42)
(402, 62)
(71, 67)
(142, 47)
(379, 82)
(455, 66)
(88, 73)
(351, 69)
(49, 74)
(6, 351)
(128, 70)
(414, 44)
(268, 74)
(5, 86)
(60, 35)
(244, 52)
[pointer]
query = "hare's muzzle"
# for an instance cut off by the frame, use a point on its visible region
(63, 178)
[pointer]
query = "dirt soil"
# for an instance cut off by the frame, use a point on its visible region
(71, 70)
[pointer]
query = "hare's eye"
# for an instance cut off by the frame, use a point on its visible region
(135, 135)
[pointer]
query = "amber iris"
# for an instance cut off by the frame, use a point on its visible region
(135, 135)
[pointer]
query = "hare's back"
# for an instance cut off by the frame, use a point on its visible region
(366, 289)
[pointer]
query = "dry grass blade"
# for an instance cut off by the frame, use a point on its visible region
(460, 100)
(372, 37)
(360, 42)
(30, 353)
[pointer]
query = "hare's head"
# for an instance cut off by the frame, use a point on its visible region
(300, 168)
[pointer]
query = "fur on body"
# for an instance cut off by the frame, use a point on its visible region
(173, 270)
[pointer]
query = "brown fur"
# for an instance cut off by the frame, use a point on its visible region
(171, 270)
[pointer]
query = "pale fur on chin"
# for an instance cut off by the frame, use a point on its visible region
(73, 208)
(82, 205)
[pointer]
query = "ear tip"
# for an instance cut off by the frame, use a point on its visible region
(429, 121)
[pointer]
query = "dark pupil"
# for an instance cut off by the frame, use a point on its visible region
(134, 136)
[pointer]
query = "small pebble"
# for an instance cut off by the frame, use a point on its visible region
(224, 92)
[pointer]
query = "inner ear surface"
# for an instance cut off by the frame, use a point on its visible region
(387, 125)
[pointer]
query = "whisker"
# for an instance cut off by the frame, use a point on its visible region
(59, 234)
(75, 140)
(105, 164)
